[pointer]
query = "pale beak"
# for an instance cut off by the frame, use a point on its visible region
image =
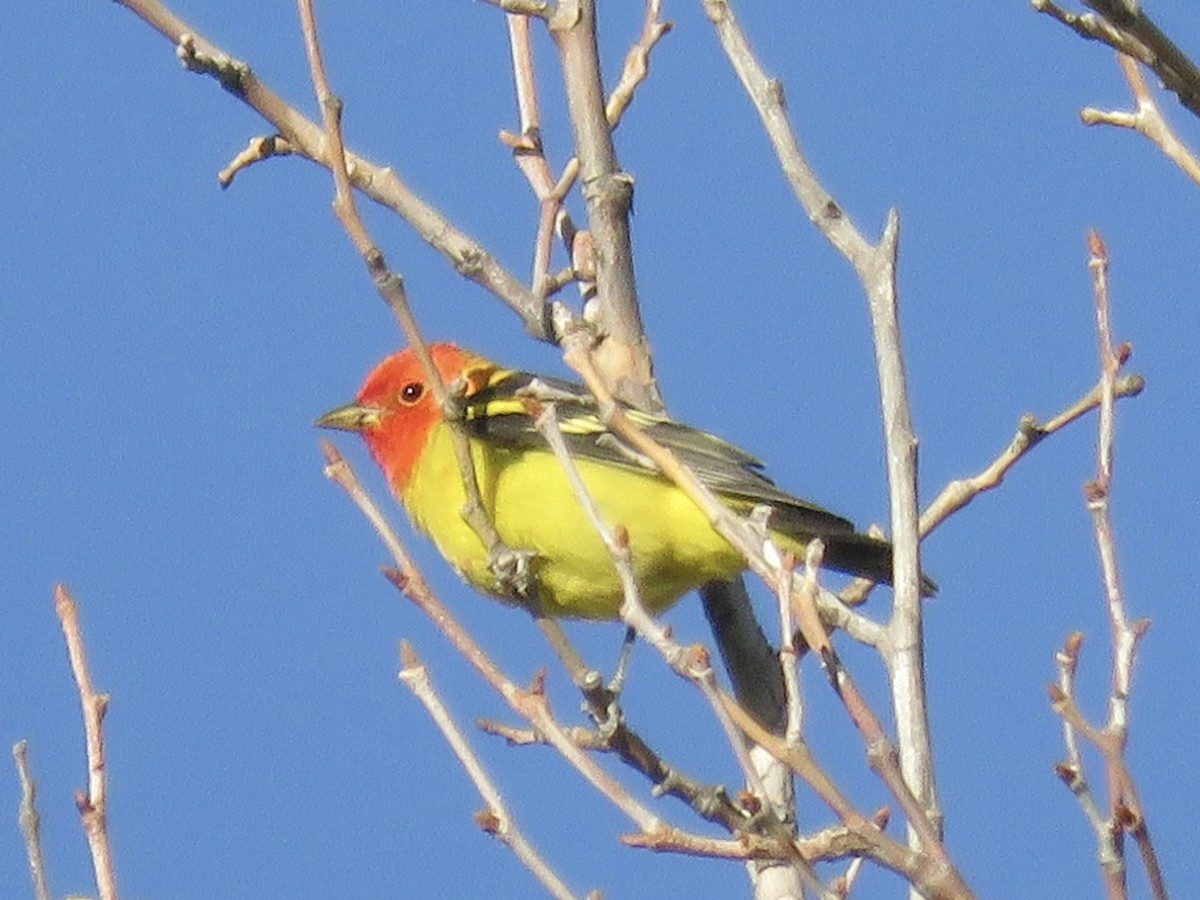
(351, 417)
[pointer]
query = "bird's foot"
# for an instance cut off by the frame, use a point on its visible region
(513, 572)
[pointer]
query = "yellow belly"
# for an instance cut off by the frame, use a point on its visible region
(533, 507)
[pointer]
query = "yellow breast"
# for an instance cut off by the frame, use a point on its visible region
(533, 508)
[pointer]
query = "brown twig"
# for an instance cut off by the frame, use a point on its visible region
(529, 152)
(692, 663)
(709, 801)
(1125, 813)
(390, 286)
(497, 820)
(588, 738)
(258, 150)
(922, 870)
(529, 703)
(92, 803)
(1126, 809)
(875, 265)
(637, 62)
(881, 753)
(308, 139)
(30, 822)
(1128, 29)
(1030, 432)
(512, 576)
(530, 157)
(1147, 120)
(622, 352)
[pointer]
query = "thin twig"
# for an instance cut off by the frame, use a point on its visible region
(789, 657)
(1030, 432)
(1072, 772)
(637, 62)
(709, 801)
(31, 822)
(1127, 27)
(588, 738)
(308, 139)
(529, 703)
(1126, 809)
(932, 877)
(92, 803)
(498, 819)
(622, 352)
(390, 286)
(1147, 120)
(529, 152)
(875, 265)
(881, 753)
(692, 663)
(747, 539)
(1125, 812)
(258, 150)
(528, 148)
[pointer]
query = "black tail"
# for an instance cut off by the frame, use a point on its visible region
(868, 557)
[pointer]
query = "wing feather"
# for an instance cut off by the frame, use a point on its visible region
(498, 414)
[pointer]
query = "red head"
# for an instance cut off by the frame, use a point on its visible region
(396, 410)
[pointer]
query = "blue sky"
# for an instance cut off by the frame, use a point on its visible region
(165, 346)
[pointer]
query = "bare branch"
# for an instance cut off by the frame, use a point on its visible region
(1125, 813)
(307, 139)
(31, 822)
(528, 149)
(881, 753)
(1147, 120)
(529, 703)
(833, 843)
(390, 286)
(530, 157)
(1127, 28)
(637, 62)
(92, 803)
(691, 663)
(497, 820)
(1030, 432)
(258, 150)
(875, 265)
(622, 352)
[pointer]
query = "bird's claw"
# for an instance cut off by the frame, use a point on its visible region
(513, 572)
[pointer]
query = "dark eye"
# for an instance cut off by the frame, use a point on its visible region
(411, 392)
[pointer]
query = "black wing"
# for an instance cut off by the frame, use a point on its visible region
(497, 414)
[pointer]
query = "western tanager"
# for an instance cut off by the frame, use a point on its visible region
(528, 497)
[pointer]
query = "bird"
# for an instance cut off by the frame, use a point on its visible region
(535, 511)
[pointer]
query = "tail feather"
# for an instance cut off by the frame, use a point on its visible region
(868, 557)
